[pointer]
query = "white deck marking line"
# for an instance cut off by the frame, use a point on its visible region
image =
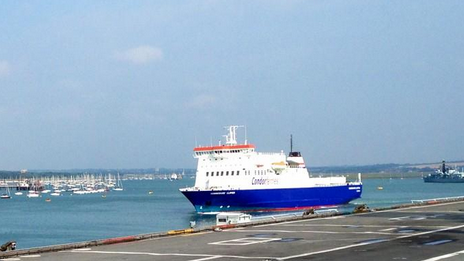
(298, 221)
(206, 258)
(449, 211)
(195, 234)
(245, 241)
(368, 243)
(319, 232)
(169, 254)
(445, 256)
(388, 229)
(399, 218)
(359, 214)
(411, 218)
(349, 226)
(414, 207)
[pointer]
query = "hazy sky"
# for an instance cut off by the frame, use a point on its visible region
(133, 84)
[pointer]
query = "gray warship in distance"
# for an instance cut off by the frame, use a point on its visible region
(445, 175)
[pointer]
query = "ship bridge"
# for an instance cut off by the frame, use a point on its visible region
(230, 147)
(223, 149)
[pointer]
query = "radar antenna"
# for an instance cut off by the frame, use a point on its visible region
(231, 137)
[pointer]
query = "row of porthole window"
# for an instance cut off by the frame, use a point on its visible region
(219, 159)
(218, 152)
(232, 173)
(221, 173)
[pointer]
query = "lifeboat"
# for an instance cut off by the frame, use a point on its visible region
(278, 166)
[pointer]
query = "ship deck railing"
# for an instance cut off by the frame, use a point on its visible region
(270, 153)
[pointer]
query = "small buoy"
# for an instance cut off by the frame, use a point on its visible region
(150, 192)
(379, 188)
(48, 200)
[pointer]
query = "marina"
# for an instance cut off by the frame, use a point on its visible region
(77, 184)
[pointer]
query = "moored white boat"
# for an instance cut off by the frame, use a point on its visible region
(33, 194)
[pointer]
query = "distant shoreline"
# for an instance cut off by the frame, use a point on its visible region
(351, 171)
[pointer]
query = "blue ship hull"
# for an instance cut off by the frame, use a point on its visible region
(272, 199)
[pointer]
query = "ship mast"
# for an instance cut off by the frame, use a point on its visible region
(291, 143)
(231, 138)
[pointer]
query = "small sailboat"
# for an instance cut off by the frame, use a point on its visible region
(6, 195)
(118, 185)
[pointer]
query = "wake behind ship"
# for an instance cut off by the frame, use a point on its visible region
(234, 177)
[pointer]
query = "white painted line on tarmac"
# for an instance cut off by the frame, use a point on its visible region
(30, 256)
(415, 207)
(281, 223)
(298, 221)
(330, 250)
(172, 254)
(444, 256)
(206, 258)
(346, 226)
(369, 243)
(359, 214)
(388, 229)
(195, 234)
(444, 211)
(245, 241)
(319, 232)
(399, 218)
(363, 213)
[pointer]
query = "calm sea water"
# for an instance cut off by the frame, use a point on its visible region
(69, 218)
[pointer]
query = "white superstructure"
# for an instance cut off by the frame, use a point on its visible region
(238, 166)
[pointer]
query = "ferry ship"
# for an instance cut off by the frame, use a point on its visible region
(235, 177)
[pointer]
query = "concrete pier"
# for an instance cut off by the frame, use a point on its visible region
(428, 231)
